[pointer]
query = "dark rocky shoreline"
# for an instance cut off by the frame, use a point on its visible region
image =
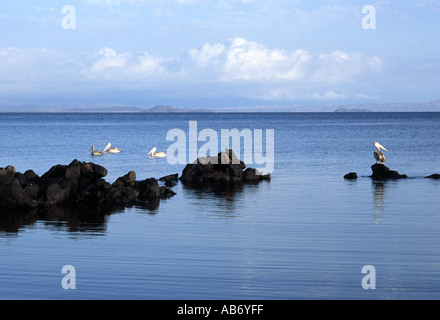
(382, 172)
(78, 183)
(82, 185)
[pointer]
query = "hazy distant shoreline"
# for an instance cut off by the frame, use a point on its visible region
(433, 106)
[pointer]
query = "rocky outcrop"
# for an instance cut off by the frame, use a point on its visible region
(434, 176)
(351, 176)
(78, 183)
(16, 191)
(380, 171)
(82, 184)
(223, 168)
(170, 180)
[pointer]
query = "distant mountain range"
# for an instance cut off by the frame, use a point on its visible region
(168, 109)
(132, 109)
(432, 106)
(352, 110)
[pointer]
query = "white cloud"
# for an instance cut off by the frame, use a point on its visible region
(428, 4)
(340, 66)
(239, 65)
(187, 1)
(363, 96)
(206, 54)
(110, 65)
(241, 59)
(113, 3)
(236, 60)
(247, 60)
(108, 59)
(104, 3)
(329, 95)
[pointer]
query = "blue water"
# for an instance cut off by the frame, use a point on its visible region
(306, 234)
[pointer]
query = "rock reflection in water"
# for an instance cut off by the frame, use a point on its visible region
(76, 220)
(151, 205)
(72, 219)
(226, 195)
(379, 192)
(13, 222)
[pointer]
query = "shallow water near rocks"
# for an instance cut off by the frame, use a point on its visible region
(305, 234)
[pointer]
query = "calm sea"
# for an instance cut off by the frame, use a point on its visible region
(306, 234)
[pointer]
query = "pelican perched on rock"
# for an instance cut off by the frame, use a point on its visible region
(378, 155)
(111, 150)
(155, 154)
(95, 152)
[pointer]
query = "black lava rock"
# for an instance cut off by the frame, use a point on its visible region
(80, 184)
(225, 168)
(351, 176)
(380, 171)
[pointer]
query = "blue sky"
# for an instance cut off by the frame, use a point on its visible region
(213, 54)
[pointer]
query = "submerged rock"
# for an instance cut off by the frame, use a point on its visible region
(171, 177)
(170, 180)
(434, 176)
(380, 171)
(351, 176)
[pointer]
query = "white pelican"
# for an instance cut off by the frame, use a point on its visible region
(378, 155)
(155, 154)
(112, 150)
(95, 152)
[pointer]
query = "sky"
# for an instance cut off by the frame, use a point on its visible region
(219, 54)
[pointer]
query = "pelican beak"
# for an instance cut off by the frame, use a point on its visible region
(379, 146)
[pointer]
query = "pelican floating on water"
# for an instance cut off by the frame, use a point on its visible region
(95, 152)
(111, 150)
(378, 155)
(155, 154)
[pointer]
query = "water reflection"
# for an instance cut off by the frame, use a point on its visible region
(379, 192)
(68, 218)
(13, 222)
(225, 197)
(76, 220)
(221, 199)
(151, 206)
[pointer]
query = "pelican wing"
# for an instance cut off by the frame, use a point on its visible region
(379, 156)
(153, 151)
(107, 147)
